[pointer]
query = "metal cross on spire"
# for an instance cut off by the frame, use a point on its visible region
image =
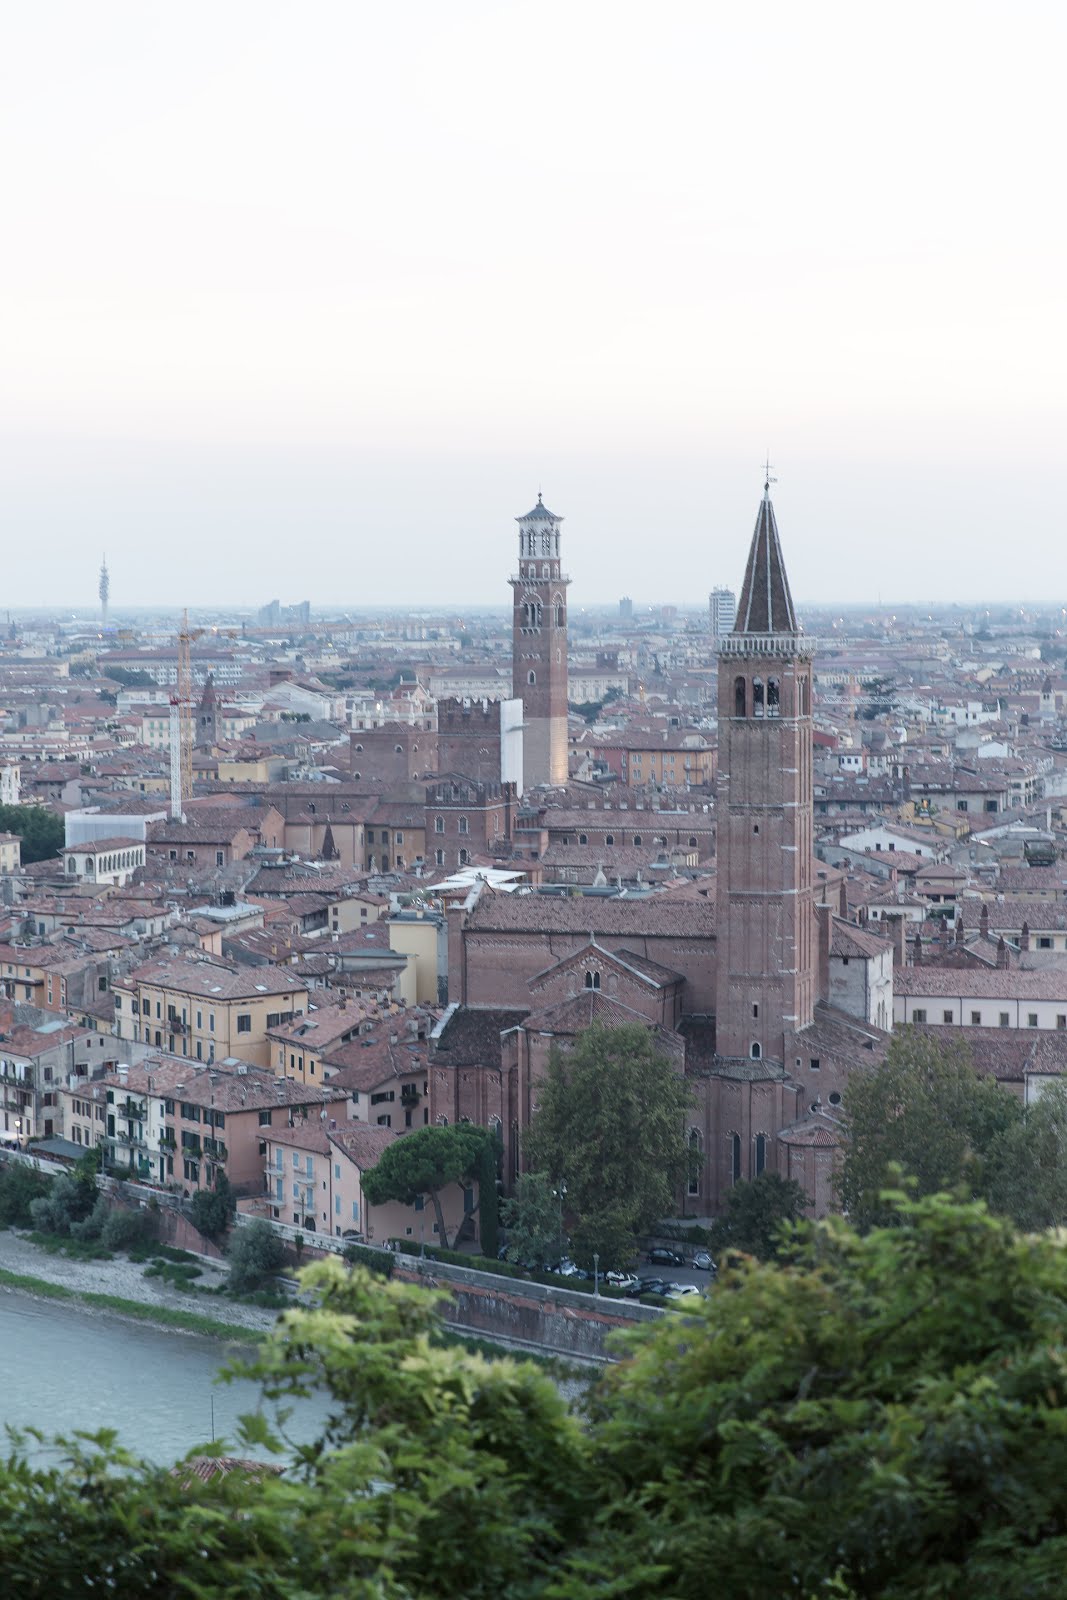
(767, 479)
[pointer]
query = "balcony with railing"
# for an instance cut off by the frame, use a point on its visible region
(130, 1139)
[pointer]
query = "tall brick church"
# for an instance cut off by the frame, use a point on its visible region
(763, 997)
(539, 647)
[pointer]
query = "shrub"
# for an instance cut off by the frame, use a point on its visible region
(125, 1228)
(67, 1201)
(20, 1186)
(256, 1253)
(380, 1261)
(211, 1210)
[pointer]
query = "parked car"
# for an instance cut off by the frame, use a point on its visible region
(703, 1262)
(650, 1286)
(621, 1280)
(677, 1291)
(660, 1256)
(566, 1268)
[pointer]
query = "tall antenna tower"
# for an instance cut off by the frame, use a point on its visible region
(104, 591)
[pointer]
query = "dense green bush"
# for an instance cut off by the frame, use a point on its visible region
(125, 1228)
(256, 1253)
(212, 1210)
(20, 1186)
(362, 1255)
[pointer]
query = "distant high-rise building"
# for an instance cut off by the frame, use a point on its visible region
(722, 605)
(626, 609)
(104, 591)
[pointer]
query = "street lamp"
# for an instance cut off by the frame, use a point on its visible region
(559, 1193)
(18, 1131)
(596, 1272)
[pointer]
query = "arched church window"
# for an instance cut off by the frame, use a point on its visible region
(755, 1051)
(464, 857)
(438, 824)
(531, 676)
(774, 702)
(546, 544)
(757, 697)
(592, 980)
(761, 1152)
(735, 1158)
(739, 697)
(802, 696)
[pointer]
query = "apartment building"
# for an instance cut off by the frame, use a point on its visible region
(206, 1009)
(182, 1125)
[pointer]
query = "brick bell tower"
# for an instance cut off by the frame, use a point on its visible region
(539, 647)
(766, 975)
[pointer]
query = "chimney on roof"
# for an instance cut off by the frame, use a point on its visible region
(959, 927)
(1002, 953)
(983, 921)
(1024, 937)
(917, 955)
(842, 906)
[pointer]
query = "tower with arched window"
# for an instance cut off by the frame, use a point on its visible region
(767, 952)
(539, 646)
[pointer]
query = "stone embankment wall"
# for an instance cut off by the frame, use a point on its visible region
(559, 1321)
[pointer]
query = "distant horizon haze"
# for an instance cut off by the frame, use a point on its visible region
(314, 302)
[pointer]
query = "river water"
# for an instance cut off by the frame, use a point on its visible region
(69, 1367)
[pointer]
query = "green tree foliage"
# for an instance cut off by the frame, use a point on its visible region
(925, 1110)
(876, 1416)
(42, 832)
(425, 1163)
(757, 1215)
(532, 1218)
(20, 1186)
(1027, 1165)
(610, 1124)
(256, 1253)
(71, 1199)
(488, 1197)
(126, 1227)
(212, 1210)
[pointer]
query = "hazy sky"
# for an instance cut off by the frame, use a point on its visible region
(308, 299)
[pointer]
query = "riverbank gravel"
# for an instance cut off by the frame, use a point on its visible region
(126, 1279)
